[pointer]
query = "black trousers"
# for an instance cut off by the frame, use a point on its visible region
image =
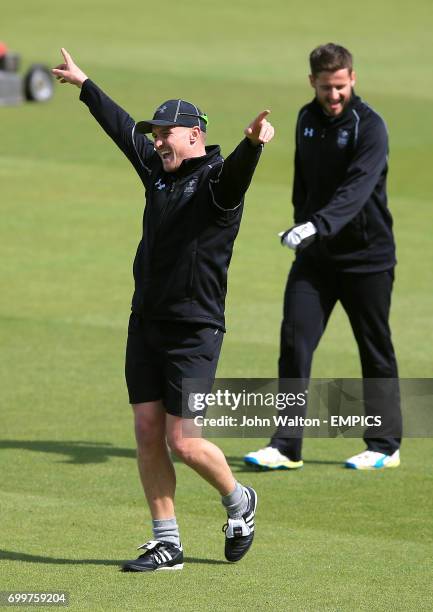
(312, 291)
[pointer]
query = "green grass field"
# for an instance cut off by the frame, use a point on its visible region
(70, 206)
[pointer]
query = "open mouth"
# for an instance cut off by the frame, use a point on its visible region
(165, 155)
(335, 105)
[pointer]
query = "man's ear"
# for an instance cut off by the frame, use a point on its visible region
(353, 78)
(194, 135)
(312, 80)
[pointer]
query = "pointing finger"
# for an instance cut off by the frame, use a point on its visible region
(262, 116)
(67, 57)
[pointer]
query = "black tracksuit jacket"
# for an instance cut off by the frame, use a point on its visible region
(341, 164)
(190, 220)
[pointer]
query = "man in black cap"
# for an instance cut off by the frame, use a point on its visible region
(194, 202)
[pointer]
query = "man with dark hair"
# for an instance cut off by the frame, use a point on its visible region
(344, 252)
(194, 202)
(330, 58)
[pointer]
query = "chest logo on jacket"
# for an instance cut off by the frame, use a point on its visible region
(159, 184)
(190, 187)
(309, 132)
(342, 138)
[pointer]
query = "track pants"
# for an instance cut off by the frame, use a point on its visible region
(311, 293)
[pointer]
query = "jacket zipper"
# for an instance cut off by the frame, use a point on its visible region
(192, 272)
(167, 204)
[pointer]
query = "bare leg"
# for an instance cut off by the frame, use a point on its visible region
(201, 455)
(154, 463)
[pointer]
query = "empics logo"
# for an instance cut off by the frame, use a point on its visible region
(354, 421)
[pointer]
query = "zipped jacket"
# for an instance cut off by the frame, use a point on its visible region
(341, 165)
(190, 221)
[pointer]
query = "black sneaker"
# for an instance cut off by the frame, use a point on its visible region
(157, 556)
(240, 532)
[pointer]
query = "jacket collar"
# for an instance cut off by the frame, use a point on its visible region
(188, 166)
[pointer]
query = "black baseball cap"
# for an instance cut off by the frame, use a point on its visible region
(175, 112)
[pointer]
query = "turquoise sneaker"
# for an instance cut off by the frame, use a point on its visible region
(270, 458)
(370, 460)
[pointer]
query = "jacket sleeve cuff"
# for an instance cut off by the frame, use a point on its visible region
(324, 230)
(253, 146)
(86, 89)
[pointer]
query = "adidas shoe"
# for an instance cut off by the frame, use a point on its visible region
(370, 460)
(239, 532)
(270, 458)
(157, 556)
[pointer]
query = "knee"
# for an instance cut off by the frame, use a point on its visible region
(378, 361)
(148, 430)
(296, 341)
(183, 448)
(287, 338)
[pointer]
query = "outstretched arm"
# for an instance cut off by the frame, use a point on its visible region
(234, 177)
(113, 119)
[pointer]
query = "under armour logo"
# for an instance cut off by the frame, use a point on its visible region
(162, 109)
(159, 184)
(309, 132)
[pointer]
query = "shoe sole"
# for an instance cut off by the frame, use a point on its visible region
(394, 464)
(291, 465)
(132, 568)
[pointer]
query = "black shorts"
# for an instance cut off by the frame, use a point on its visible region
(159, 354)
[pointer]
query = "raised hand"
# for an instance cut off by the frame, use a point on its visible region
(69, 72)
(260, 130)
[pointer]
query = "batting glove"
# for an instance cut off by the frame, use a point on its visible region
(298, 237)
